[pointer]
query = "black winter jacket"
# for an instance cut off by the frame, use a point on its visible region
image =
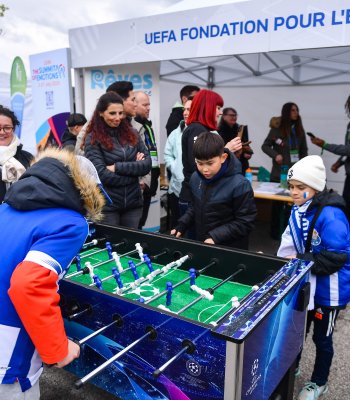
(68, 140)
(24, 157)
(222, 209)
(123, 184)
(189, 136)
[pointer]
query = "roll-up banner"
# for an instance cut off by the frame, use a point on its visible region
(52, 95)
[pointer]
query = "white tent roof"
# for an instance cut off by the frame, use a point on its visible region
(296, 67)
(281, 55)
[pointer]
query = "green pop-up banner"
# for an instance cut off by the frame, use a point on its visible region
(18, 86)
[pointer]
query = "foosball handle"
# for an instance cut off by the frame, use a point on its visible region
(188, 347)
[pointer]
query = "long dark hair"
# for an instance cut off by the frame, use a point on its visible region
(100, 131)
(286, 121)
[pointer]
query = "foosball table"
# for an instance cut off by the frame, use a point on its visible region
(158, 317)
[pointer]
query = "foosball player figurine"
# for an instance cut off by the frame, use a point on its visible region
(43, 226)
(169, 288)
(97, 281)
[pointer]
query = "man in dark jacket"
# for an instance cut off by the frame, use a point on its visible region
(75, 122)
(176, 115)
(222, 208)
(143, 125)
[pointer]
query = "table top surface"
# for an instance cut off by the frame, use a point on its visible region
(204, 311)
(271, 191)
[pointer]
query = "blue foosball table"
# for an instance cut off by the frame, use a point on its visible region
(221, 324)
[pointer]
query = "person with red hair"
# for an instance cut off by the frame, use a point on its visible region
(120, 157)
(204, 116)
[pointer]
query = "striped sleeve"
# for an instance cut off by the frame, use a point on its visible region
(33, 292)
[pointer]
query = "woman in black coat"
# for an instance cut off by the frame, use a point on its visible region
(120, 158)
(13, 160)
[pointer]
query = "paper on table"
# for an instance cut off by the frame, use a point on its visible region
(270, 188)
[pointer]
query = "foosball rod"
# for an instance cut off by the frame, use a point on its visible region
(164, 270)
(150, 332)
(214, 262)
(93, 242)
(242, 267)
(101, 250)
(136, 265)
(117, 321)
(245, 298)
(188, 347)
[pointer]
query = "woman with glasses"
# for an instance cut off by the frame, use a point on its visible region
(13, 160)
(229, 129)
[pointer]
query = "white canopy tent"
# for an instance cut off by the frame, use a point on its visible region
(257, 54)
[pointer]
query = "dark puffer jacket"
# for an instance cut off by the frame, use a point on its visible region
(275, 143)
(222, 209)
(123, 184)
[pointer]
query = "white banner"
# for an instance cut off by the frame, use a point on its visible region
(52, 95)
(145, 77)
(240, 28)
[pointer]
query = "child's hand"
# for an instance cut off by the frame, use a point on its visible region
(73, 353)
(209, 241)
(175, 233)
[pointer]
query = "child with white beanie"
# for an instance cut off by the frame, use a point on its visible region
(318, 230)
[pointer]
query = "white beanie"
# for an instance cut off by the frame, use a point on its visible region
(311, 171)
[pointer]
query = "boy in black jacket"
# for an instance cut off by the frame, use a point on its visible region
(222, 208)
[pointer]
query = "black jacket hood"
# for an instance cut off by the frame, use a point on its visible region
(327, 198)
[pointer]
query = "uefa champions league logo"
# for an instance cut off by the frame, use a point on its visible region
(193, 367)
(255, 367)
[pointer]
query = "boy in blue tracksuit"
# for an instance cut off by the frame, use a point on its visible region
(318, 230)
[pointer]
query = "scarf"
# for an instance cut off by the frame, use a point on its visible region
(11, 169)
(299, 227)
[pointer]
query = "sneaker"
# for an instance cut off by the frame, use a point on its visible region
(312, 392)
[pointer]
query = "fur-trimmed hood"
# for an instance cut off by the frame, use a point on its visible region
(56, 179)
(275, 122)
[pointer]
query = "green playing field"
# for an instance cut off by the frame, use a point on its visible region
(204, 310)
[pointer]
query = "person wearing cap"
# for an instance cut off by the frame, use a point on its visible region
(75, 122)
(318, 230)
(43, 226)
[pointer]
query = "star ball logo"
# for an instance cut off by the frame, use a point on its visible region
(193, 367)
(255, 367)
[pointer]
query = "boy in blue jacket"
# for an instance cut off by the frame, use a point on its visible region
(318, 230)
(222, 208)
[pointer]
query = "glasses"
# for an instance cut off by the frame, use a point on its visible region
(230, 115)
(6, 129)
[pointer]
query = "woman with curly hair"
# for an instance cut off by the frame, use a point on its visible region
(120, 158)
